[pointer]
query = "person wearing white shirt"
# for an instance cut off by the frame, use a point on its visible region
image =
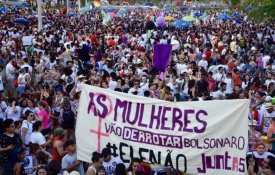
(109, 162)
(26, 129)
(10, 72)
(144, 85)
(37, 137)
(112, 83)
(203, 63)
(220, 75)
(1, 82)
(3, 107)
(21, 81)
(221, 93)
(12, 111)
(163, 40)
(135, 90)
(181, 67)
(270, 79)
(266, 59)
(26, 65)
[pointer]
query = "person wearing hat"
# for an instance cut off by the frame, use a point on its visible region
(271, 135)
(58, 143)
(266, 115)
(109, 161)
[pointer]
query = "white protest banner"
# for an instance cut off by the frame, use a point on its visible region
(194, 137)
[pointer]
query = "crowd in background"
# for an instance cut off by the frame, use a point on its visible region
(42, 74)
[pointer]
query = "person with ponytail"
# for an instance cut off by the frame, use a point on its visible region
(97, 162)
(44, 116)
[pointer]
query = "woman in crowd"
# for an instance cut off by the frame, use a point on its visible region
(27, 127)
(44, 117)
(10, 143)
(37, 137)
(96, 163)
(133, 166)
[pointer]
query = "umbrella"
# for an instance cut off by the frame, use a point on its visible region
(23, 4)
(160, 21)
(189, 18)
(97, 3)
(150, 25)
(204, 16)
(21, 20)
(223, 17)
(167, 8)
(4, 9)
(202, 8)
(236, 15)
(197, 14)
(169, 18)
(155, 7)
(181, 24)
(175, 44)
(71, 14)
(113, 15)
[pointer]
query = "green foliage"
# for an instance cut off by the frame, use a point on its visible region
(82, 3)
(263, 10)
(235, 2)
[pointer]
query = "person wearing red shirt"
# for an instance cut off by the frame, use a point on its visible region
(112, 42)
(58, 142)
(236, 77)
(93, 38)
(208, 55)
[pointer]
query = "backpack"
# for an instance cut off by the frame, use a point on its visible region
(68, 116)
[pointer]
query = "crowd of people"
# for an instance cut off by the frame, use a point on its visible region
(42, 74)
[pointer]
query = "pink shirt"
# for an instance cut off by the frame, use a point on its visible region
(45, 118)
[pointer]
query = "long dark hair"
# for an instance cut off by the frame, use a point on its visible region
(256, 167)
(100, 168)
(132, 162)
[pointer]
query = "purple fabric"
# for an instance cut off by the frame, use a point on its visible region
(162, 54)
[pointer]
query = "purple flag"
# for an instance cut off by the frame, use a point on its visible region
(161, 56)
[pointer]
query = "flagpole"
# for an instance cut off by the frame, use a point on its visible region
(39, 13)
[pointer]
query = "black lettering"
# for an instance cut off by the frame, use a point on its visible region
(121, 145)
(184, 164)
(141, 150)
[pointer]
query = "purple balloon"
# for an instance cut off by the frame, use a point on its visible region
(160, 21)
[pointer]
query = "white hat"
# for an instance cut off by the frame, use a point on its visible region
(268, 105)
(81, 76)
(139, 61)
(253, 48)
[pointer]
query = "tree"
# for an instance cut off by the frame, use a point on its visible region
(262, 10)
(235, 2)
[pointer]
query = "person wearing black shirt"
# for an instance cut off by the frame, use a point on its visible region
(202, 86)
(10, 142)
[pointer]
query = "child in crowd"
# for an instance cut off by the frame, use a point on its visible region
(69, 161)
